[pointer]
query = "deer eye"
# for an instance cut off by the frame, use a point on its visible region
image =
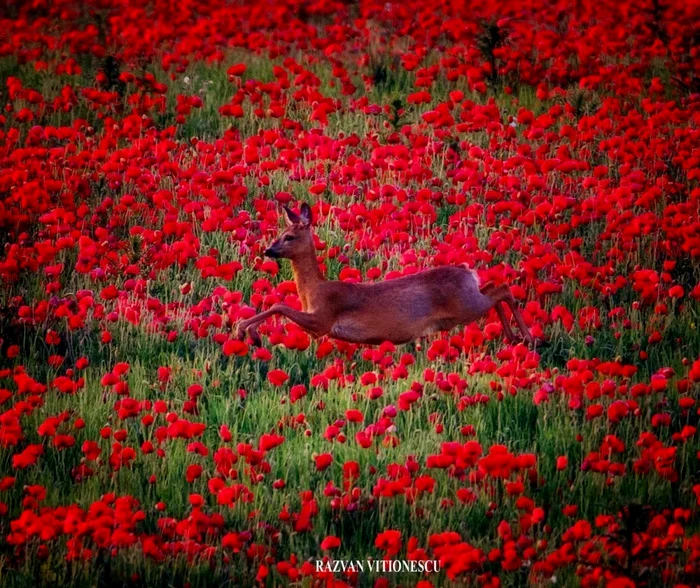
(289, 238)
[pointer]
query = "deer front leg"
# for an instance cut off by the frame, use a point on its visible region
(307, 321)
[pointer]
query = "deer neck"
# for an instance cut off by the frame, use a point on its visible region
(307, 276)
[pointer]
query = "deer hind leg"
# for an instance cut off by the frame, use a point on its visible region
(503, 294)
(473, 301)
(496, 293)
(307, 321)
(504, 321)
(488, 288)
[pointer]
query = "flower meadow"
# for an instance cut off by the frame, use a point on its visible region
(146, 149)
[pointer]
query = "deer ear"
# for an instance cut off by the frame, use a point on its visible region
(306, 216)
(292, 218)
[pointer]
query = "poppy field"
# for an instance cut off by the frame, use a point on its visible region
(146, 150)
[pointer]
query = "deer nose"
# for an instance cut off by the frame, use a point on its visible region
(270, 252)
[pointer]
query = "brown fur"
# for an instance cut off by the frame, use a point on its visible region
(399, 310)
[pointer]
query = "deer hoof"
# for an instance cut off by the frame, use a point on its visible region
(240, 333)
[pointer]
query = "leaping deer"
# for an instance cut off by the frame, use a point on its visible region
(399, 310)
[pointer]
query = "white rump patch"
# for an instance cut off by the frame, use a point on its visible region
(474, 274)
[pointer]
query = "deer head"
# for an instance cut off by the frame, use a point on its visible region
(296, 240)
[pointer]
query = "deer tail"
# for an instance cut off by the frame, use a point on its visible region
(474, 274)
